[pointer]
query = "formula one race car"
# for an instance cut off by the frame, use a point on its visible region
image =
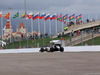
(55, 46)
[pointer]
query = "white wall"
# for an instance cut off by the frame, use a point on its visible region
(66, 49)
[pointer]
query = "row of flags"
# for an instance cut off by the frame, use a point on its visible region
(45, 17)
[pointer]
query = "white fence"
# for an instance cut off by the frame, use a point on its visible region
(66, 49)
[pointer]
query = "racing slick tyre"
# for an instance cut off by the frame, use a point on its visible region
(41, 50)
(51, 49)
(61, 49)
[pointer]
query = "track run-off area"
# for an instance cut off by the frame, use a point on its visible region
(50, 63)
(75, 60)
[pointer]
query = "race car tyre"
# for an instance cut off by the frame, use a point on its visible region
(61, 49)
(46, 49)
(41, 50)
(51, 49)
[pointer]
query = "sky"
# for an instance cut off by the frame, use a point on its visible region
(88, 8)
(52, 6)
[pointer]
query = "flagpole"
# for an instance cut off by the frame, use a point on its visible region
(68, 19)
(31, 26)
(39, 24)
(33, 33)
(26, 22)
(61, 33)
(82, 18)
(75, 20)
(44, 32)
(10, 23)
(18, 31)
(56, 27)
(50, 26)
(2, 26)
(1, 30)
(10, 27)
(44, 27)
(62, 25)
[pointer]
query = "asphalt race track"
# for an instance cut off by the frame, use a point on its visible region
(57, 63)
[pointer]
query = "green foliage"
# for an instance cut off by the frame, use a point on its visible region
(89, 42)
(31, 43)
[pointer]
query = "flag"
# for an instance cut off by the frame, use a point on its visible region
(7, 15)
(29, 16)
(47, 17)
(42, 16)
(16, 15)
(0, 14)
(53, 17)
(23, 16)
(79, 17)
(64, 21)
(56, 17)
(4, 28)
(60, 17)
(65, 17)
(72, 17)
(36, 16)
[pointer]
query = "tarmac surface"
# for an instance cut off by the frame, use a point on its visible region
(57, 63)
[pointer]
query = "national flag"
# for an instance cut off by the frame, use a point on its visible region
(29, 16)
(72, 17)
(56, 17)
(16, 15)
(53, 17)
(47, 17)
(79, 17)
(7, 15)
(60, 17)
(23, 16)
(36, 16)
(4, 28)
(42, 16)
(64, 21)
(60, 20)
(65, 17)
(0, 14)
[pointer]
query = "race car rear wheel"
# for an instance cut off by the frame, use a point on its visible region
(61, 49)
(41, 50)
(51, 49)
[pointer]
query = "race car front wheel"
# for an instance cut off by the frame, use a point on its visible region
(61, 49)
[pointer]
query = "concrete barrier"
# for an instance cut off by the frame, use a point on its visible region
(82, 48)
(66, 49)
(27, 50)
